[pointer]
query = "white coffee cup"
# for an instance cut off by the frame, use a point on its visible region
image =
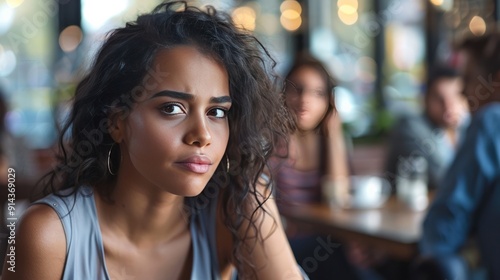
(361, 192)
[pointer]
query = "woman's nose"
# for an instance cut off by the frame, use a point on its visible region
(198, 132)
(304, 99)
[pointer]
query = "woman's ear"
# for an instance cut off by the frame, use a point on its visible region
(116, 127)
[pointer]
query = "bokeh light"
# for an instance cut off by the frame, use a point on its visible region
(96, 13)
(70, 38)
(290, 14)
(291, 5)
(445, 5)
(348, 11)
(14, 3)
(8, 62)
(477, 26)
(7, 15)
(350, 3)
(244, 17)
(290, 17)
(290, 24)
(348, 19)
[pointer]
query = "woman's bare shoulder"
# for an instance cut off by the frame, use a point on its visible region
(36, 246)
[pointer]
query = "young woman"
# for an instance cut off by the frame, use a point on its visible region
(316, 149)
(162, 178)
(316, 153)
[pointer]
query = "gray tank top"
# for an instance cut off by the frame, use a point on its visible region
(84, 247)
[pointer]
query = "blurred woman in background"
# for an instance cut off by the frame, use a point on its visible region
(316, 153)
(316, 149)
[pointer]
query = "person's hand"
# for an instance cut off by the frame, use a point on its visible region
(337, 161)
(332, 124)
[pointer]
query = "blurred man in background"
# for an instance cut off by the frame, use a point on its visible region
(468, 203)
(436, 133)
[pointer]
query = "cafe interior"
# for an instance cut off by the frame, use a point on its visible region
(382, 55)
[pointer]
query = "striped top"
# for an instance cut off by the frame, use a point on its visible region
(295, 187)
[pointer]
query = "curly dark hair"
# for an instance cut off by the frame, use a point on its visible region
(257, 119)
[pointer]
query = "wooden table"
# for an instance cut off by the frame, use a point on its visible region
(393, 228)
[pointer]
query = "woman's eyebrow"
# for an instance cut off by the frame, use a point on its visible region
(174, 94)
(221, 99)
(187, 96)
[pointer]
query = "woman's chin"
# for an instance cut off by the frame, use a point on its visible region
(193, 193)
(306, 127)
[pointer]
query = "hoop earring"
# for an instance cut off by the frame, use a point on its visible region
(109, 159)
(227, 164)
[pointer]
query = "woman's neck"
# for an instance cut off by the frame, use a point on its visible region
(305, 135)
(305, 150)
(144, 215)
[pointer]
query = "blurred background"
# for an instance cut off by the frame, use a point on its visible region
(379, 51)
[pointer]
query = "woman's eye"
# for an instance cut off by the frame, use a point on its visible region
(218, 113)
(319, 92)
(171, 109)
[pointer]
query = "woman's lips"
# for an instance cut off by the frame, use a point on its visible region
(200, 168)
(301, 112)
(196, 163)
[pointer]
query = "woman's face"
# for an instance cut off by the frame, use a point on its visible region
(176, 135)
(307, 97)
